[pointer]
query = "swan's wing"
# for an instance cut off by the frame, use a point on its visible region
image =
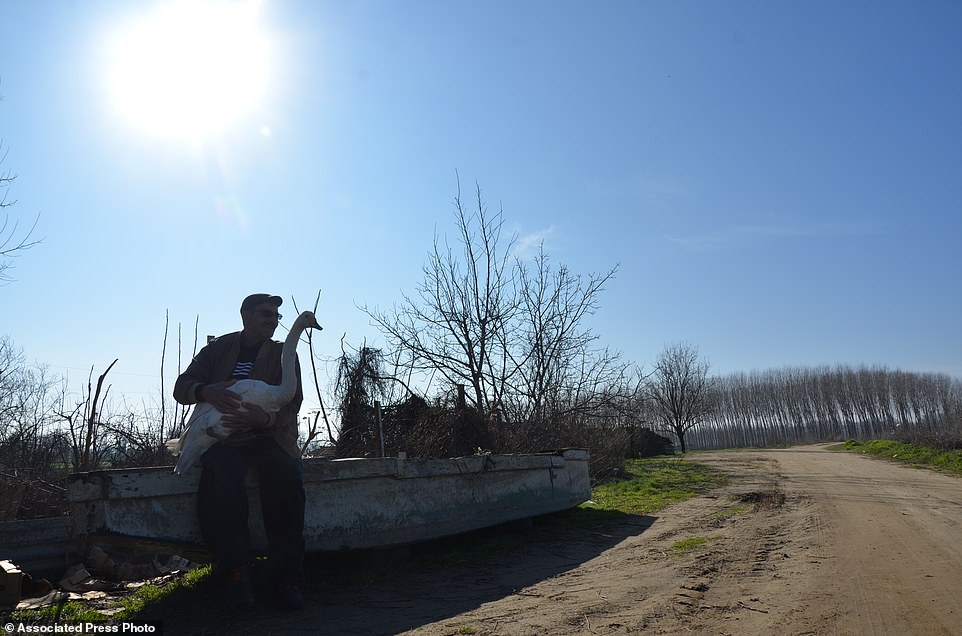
(176, 444)
(269, 397)
(195, 440)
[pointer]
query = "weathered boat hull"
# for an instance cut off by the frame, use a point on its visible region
(351, 503)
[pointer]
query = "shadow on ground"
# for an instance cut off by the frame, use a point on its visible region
(391, 591)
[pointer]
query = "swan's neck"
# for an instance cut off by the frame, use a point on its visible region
(288, 366)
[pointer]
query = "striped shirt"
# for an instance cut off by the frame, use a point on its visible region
(245, 361)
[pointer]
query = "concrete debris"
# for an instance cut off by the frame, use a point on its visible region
(16, 585)
(99, 577)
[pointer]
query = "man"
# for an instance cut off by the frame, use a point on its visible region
(264, 441)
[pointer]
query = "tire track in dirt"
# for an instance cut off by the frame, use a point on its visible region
(896, 559)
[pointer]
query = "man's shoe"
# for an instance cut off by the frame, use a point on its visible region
(240, 590)
(289, 597)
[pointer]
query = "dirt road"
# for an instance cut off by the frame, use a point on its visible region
(803, 541)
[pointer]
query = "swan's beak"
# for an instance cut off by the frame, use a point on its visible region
(308, 320)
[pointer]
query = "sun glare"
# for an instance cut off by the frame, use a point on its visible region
(190, 69)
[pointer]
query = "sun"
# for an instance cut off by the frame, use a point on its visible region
(190, 69)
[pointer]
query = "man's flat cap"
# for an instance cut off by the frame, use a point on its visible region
(256, 299)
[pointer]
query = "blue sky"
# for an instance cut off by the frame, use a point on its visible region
(780, 183)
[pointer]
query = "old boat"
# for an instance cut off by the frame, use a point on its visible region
(351, 503)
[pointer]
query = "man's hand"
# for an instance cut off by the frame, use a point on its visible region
(220, 397)
(250, 416)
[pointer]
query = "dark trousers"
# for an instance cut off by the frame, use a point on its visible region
(223, 506)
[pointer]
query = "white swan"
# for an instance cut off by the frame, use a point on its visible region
(204, 428)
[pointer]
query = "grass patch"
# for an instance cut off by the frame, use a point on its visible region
(72, 611)
(652, 484)
(726, 513)
(691, 543)
(646, 486)
(178, 593)
(947, 461)
(171, 593)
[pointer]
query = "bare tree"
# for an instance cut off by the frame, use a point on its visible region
(359, 387)
(32, 451)
(510, 335)
(178, 419)
(561, 370)
(313, 426)
(679, 390)
(26, 398)
(12, 244)
(85, 423)
(456, 323)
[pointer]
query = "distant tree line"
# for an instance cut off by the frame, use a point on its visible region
(805, 405)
